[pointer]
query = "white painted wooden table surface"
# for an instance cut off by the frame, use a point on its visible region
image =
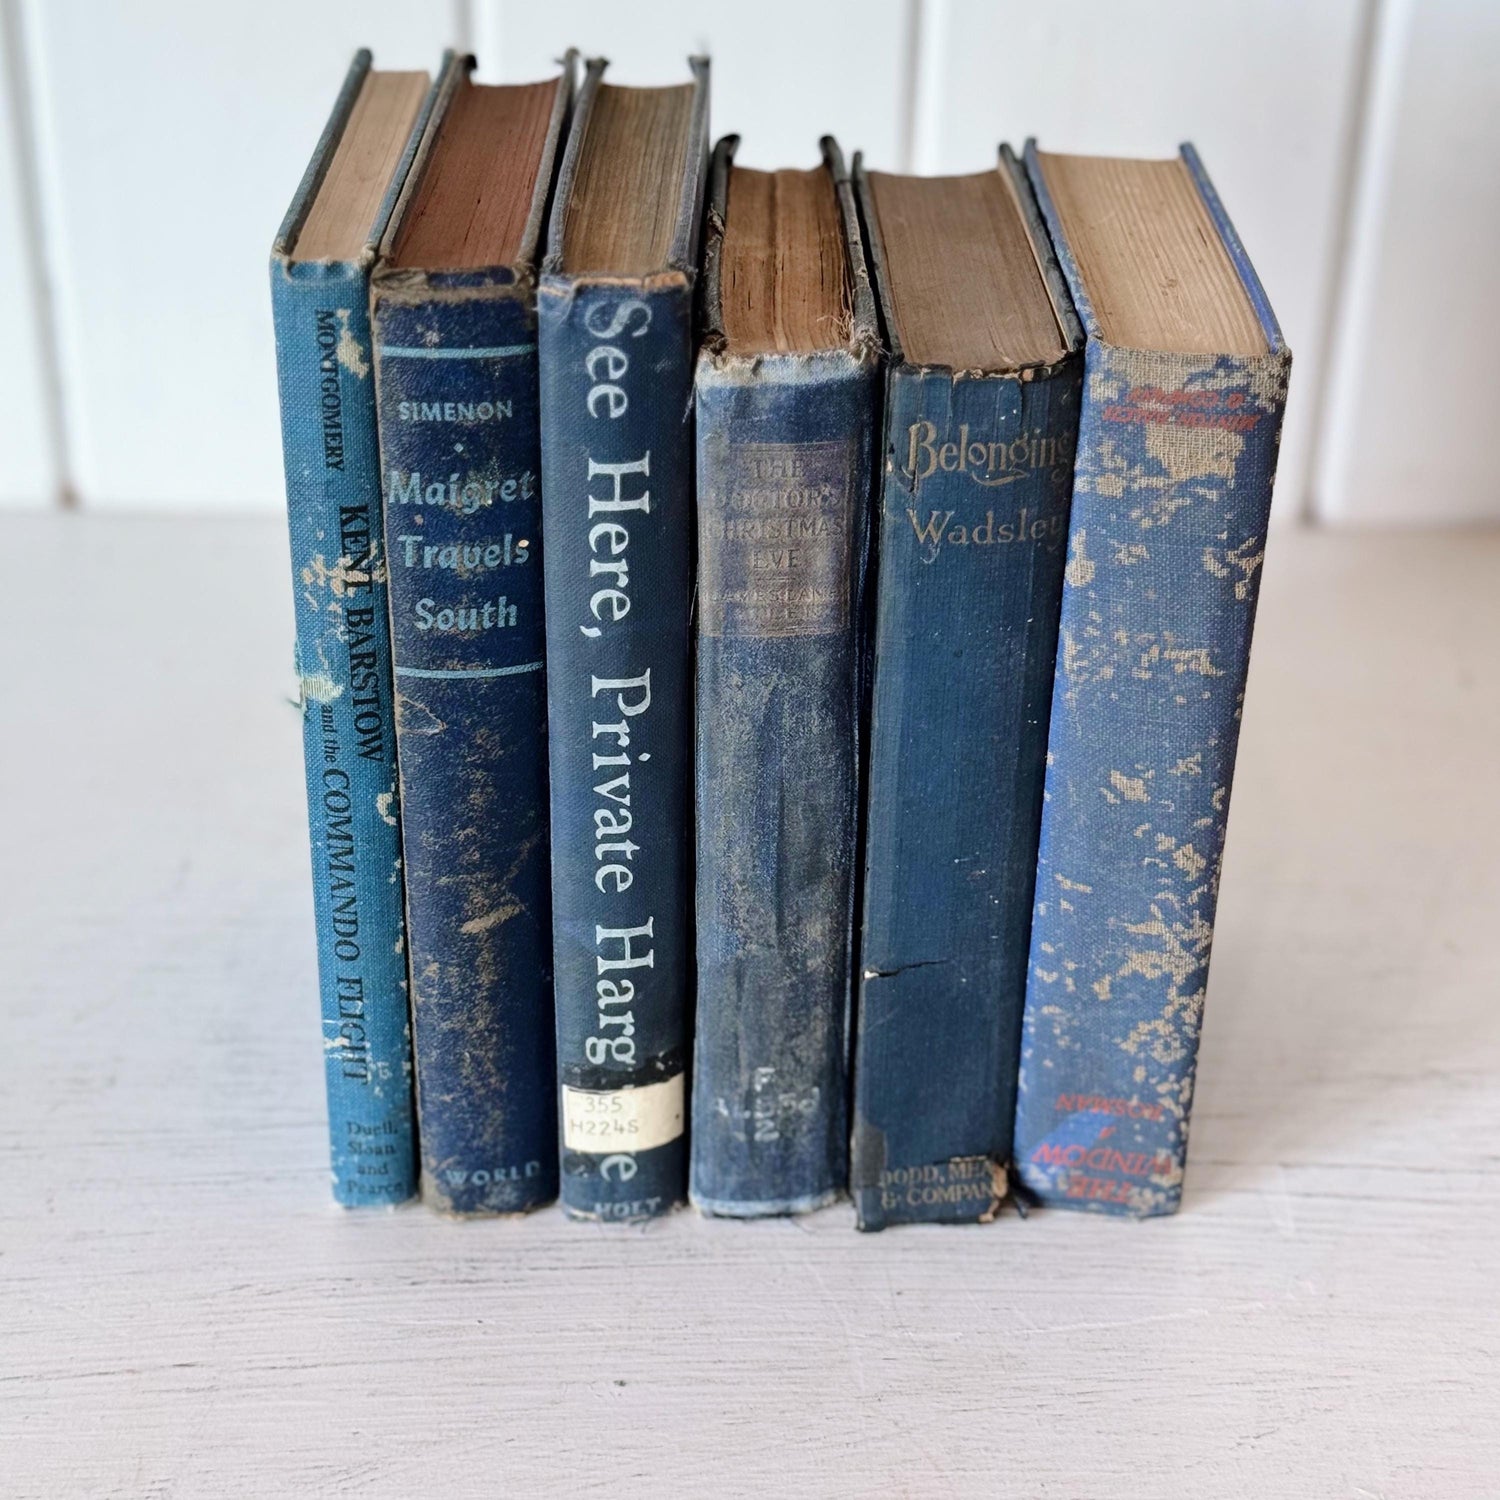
(183, 1312)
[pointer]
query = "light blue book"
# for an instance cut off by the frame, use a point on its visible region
(1185, 385)
(320, 266)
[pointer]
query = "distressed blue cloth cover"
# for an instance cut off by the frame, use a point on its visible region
(617, 478)
(456, 367)
(1177, 453)
(785, 452)
(343, 654)
(972, 533)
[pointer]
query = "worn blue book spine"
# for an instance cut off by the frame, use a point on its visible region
(1177, 453)
(617, 476)
(460, 445)
(617, 515)
(343, 660)
(461, 463)
(972, 534)
(785, 449)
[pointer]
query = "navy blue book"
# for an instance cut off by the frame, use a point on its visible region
(320, 268)
(981, 420)
(788, 392)
(616, 317)
(1187, 377)
(453, 305)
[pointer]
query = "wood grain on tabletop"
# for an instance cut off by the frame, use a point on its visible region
(183, 1311)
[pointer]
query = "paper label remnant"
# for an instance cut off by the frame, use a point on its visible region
(638, 1119)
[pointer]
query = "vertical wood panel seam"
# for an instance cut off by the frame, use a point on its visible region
(913, 26)
(1351, 304)
(462, 25)
(1350, 157)
(36, 260)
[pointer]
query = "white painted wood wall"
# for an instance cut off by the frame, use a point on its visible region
(147, 153)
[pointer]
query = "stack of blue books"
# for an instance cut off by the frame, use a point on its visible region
(771, 650)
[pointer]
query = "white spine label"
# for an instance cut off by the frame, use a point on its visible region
(638, 1119)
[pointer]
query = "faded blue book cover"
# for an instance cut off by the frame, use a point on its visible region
(456, 379)
(1177, 453)
(972, 525)
(785, 458)
(617, 484)
(343, 655)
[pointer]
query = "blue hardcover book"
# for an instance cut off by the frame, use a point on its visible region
(1186, 384)
(320, 268)
(616, 317)
(787, 391)
(981, 419)
(453, 303)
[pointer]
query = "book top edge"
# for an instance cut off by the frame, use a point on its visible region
(521, 271)
(284, 247)
(863, 344)
(1047, 264)
(1276, 348)
(682, 255)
